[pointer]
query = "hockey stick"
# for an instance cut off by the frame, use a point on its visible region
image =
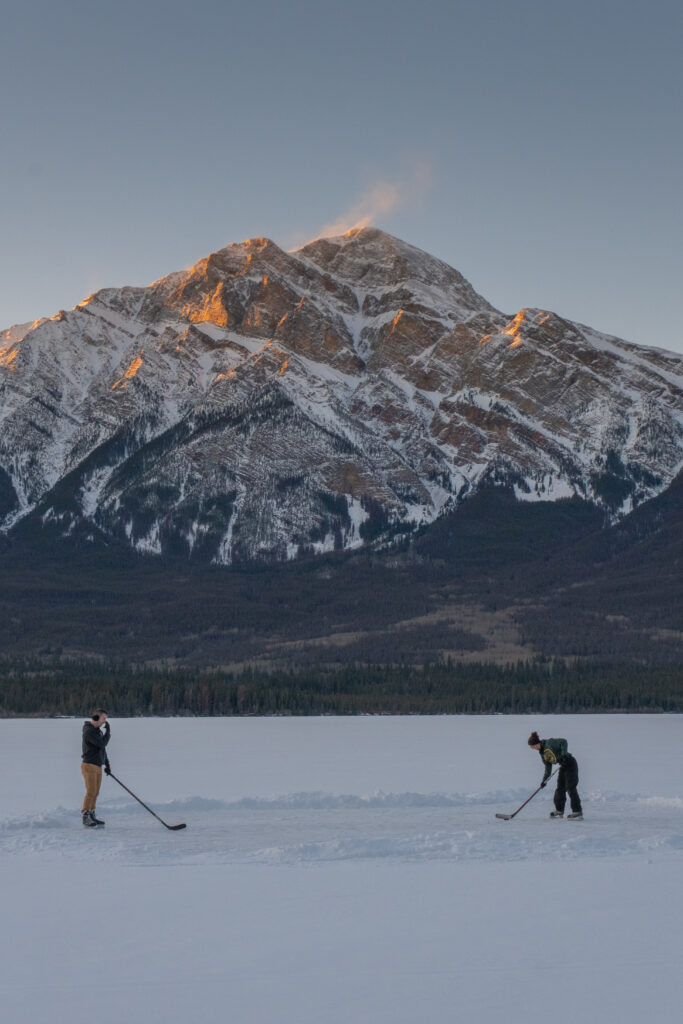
(173, 828)
(508, 817)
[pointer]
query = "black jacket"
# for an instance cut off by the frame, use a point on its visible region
(94, 744)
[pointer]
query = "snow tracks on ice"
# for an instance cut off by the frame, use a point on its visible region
(323, 827)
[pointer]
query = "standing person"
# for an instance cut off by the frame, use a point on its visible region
(94, 756)
(554, 751)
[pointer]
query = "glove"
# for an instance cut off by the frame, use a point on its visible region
(106, 728)
(544, 783)
(107, 769)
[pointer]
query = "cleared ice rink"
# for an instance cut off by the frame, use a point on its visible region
(342, 870)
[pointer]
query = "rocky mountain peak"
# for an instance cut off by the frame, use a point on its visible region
(266, 403)
(375, 261)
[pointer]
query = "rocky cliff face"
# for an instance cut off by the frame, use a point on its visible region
(265, 404)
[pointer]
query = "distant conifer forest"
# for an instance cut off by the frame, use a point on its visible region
(34, 689)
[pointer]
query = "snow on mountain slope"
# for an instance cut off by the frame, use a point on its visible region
(265, 403)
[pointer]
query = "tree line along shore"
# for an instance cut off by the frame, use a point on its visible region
(544, 686)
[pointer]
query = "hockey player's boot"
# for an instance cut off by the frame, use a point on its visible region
(557, 814)
(577, 815)
(96, 821)
(89, 819)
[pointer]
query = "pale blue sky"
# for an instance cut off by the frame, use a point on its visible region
(534, 145)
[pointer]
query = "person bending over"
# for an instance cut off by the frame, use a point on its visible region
(554, 751)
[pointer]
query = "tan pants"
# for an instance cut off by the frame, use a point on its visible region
(92, 774)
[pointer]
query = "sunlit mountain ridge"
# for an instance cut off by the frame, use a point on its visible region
(265, 405)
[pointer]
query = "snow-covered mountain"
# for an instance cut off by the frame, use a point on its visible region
(265, 403)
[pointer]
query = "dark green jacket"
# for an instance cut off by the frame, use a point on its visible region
(552, 752)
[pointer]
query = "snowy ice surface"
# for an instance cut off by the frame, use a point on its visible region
(348, 870)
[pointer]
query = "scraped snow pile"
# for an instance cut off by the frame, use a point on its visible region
(342, 870)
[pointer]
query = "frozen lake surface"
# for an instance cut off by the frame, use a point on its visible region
(343, 870)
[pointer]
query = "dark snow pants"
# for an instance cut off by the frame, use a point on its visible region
(567, 781)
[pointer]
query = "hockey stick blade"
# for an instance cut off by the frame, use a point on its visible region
(508, 817)
(171, 828)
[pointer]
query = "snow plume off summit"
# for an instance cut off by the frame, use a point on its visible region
(266, 404)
